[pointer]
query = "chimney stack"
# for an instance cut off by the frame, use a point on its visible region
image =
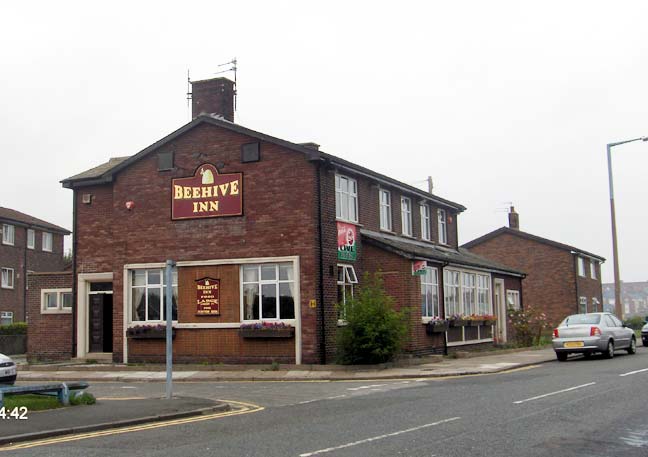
(514, 219)
(213, 96)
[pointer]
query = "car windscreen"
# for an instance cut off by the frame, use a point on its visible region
(582, 319)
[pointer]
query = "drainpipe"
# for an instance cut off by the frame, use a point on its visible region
(25, 277)
(575, 258)
(321, 267)
(74, 275)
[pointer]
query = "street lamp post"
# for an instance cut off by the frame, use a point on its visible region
(618, 306)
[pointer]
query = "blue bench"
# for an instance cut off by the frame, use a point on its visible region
(61, 390)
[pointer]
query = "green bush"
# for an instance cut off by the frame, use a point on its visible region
(635, 322)
(528, 324)
(17, 328)
(82, 398)
(374, 330)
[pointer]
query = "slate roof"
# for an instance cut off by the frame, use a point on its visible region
(529, 236)
(414, 249)
(9, 215)
(104, 173)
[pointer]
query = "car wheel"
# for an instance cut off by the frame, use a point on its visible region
(633, 346)
(561, 356)
(609, 352)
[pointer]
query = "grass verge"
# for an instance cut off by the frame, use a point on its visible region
(31, 402)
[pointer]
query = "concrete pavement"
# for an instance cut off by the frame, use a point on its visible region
(440, 367)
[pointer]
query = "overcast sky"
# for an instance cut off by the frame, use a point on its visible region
(498, 101)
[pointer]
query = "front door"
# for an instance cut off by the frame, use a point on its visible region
(500, 311)
(100, 317)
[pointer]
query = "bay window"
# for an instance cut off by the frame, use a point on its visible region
(430, 293)
(451, 292)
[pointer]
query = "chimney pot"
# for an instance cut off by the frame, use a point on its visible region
(514, 219)
(213, 96)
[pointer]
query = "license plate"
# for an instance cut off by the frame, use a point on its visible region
(574, 344)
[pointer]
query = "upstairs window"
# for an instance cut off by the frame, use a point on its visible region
(47, 242)
(7, 281)
(406, 216)
(581, 267)
(8, 234)
(443, 233)
(593, 269)
(346, 198)
(425, 223)
(31, 239)
(385, 210)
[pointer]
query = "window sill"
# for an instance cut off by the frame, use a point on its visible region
(357, 224)
(148, 323)
(391, 232)
(56, 311)
(7, 287)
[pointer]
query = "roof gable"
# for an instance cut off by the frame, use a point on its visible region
(104, 173)
(528, 236)
(11, 215)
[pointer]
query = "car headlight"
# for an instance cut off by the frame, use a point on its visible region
(644, 328)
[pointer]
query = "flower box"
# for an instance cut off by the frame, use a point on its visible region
(436, 327)
(143, 333)
(490, 322)
(267, 332)
(475, 322)
(458, 322)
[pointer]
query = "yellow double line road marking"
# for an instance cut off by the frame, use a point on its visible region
(242, 408)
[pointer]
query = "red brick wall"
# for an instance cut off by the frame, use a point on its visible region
(550, 282)
(279, 201)
(49, 336)
(590, 288)
(36, 259)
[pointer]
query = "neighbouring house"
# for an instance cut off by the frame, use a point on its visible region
(634, 296)
(264, 233)
(561, 279)
(28, 245)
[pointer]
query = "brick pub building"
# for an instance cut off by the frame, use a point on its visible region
(262, 230)
(561, 279)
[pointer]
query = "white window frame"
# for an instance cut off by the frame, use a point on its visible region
(346, 199)
(454, 307)
(384, 197)
(406, 216)
(8, 234)
(31, 239)
(347, 280)
(8, 278)
(59, 308)
(582, 305)
(6, 315)
(426, 232)
(430, 282)
(513, 299)
(595, 305)
(146, 286)
(581, 267)
(261, 282)
(593, 269)
(483, 283)
(443, 226)
(48, 242)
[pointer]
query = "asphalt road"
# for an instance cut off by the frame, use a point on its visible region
(581, 407)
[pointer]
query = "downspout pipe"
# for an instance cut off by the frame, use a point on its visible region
(75, 301)
(321, 266)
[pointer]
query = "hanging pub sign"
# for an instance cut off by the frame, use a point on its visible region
(346, 241)
(207, 194)
(418, 267)
(208, 297)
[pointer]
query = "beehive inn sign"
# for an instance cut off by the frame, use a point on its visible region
(207, 194)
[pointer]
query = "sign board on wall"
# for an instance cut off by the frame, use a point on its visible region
(207, 194)
(346, 244)
(207, 297)
(418, 267)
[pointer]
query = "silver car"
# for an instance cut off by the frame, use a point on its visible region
(592, 332)
(7, 370)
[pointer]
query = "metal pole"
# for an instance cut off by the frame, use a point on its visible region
(168, 278)
(618, 306)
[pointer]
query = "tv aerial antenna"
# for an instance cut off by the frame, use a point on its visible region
(232, 66)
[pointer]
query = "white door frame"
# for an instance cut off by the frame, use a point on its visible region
(83, 323)
(500, 328)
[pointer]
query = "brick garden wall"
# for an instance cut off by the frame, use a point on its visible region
(49, 336)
